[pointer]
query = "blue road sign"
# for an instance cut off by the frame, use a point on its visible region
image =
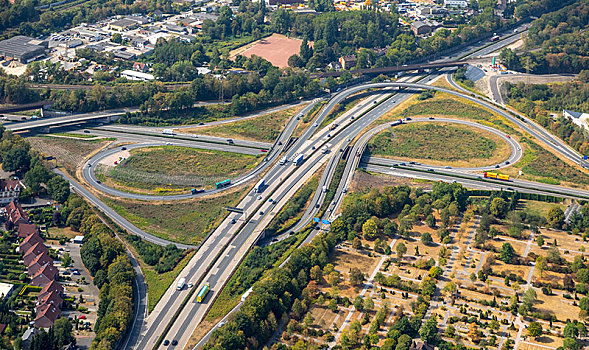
(316, 219)
(585, 157)
(326, 222)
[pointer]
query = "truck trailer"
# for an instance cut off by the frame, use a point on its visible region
(298, 160)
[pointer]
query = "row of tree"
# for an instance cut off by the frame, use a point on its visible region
(106, 259)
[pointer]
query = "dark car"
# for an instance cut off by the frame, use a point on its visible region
(86, 131)
(123, 148)
(166, 342)
(431, 118)
(174, 342)
(497, 166)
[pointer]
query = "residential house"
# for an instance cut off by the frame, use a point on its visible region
(31, 254)
(334, 66)
(15, 214)
(456, 3)
(46, 315)
(9, 190)
(52, 298)
(578, 118)
(140, 67)
(28, 336)
(348, 62)
(50, 287)
(418, 344)
(26, 230)
(29, 242)
(40, 261)
(47, 274)
(420, 28)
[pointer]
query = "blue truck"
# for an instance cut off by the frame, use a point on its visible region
(298, 160)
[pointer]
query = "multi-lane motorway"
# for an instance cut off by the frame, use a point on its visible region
(222, 251)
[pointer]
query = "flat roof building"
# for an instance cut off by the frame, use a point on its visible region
(5, 289)
(140, 76)
(22, 48)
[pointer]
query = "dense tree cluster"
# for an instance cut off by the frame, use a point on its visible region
(106, 259)
(536, 101)
(163, 259)
(562, 36)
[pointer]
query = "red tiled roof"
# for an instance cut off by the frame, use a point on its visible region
(46, 315)
(30, 241)
(38, 263)
(25, 230)
(52, 298)
(51, 287)
(32, 253)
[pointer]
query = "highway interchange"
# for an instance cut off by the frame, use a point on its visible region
(222, 251)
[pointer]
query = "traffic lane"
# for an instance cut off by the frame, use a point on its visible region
(156, 325)
(528, 125)
(240, 239)
(520, 185)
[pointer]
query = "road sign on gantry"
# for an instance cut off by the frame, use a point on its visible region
(235, 210)
(325, 222)
(316, 219)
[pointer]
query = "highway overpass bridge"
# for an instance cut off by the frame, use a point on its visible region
(45, 124)
(385, 70)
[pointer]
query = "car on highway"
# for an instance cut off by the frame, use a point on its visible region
(166, 342)
(259, 197)
(98, 181)
(190, 285)
(89, 165)
(506, 162)
(430, 169)
(402, 164)
(447, 167)
(261, 212)
(496, 166)
(221, 324)
(408, 118)
(508, 136)
(279, 143)
(270, 200)
(168, 143)
(174, 342)
(232, 221)
(375, 102)
(315, 124)
(86, 131)
(317, 205)
(123, 148)
(412, 163)
(431, 118)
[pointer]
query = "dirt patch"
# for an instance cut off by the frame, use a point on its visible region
(276, 49)
(116, 157)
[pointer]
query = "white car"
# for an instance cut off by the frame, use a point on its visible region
(190, 285)
(315, 124)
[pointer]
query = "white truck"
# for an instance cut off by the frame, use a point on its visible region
(168, 132)
(260, 186)
(181, 283)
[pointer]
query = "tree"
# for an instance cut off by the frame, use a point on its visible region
(570, 344)
(368, 304)
(507, 253)
(62, 332)
(540, 241)
(359, 303)
(499, 207)
(401, 250)
(356, 277)
(426, 238)
(555, 217)
(534, 329)
(473, 332)
(16, 159)
(116, 38)
(430, 220)
(370, 229)
(357, 243)
(58, 189)
(66, 260)
(541, 264)
(429, 330)
(334, 278)
(316, 274)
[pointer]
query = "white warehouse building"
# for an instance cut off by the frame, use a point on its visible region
(133, 75)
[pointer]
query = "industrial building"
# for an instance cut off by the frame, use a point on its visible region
(22, 48)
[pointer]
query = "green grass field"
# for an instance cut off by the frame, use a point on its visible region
(170, 168)
(446, 143)
(265, 128)
(185, 222)
(549, 169)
